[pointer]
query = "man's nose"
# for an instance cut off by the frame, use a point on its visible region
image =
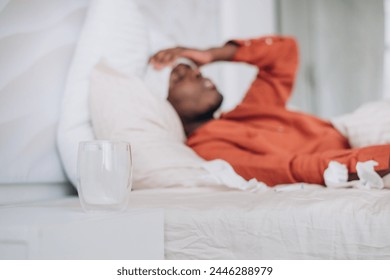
(196, 72)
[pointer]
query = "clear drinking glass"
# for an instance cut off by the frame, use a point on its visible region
(104, 175)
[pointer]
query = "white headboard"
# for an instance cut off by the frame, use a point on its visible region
(37, 39)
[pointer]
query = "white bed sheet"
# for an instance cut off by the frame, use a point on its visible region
(313, 223)
(316, 223)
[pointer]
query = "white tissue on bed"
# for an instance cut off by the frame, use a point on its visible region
(336, 176)
(369, 179)
(225, 175)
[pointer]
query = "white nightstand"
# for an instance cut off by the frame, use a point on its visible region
(61, 230)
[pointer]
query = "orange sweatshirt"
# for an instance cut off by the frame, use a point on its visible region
(261, 139)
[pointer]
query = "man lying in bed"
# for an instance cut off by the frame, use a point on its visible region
(260, 138)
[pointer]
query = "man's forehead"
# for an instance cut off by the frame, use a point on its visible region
(181, 66)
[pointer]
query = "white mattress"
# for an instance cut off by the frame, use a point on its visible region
(314, 223)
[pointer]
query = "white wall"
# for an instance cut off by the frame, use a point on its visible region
(37, 40)
(342, 48)
(386, 75)
(242, 19)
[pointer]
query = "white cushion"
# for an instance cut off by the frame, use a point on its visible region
(122, 108)
(116, 31)
(368, 125)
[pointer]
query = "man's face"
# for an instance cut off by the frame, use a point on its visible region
(193, 96)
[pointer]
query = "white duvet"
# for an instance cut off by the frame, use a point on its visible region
(311, 223)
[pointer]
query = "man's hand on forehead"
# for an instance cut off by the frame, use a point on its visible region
(173, 56)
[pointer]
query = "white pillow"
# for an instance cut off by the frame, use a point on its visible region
(116, 31)
(122, 108)
(368, 125)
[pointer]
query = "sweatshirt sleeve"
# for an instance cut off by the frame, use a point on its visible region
(276, 58)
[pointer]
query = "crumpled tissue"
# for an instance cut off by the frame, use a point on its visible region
(336, 176)
(225, 175)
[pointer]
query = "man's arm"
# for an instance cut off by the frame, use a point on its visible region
(276, 57)
(275, 169)
(276, 54)
(200, 57)
(268, 53)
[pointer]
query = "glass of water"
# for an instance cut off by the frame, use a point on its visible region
(104, 175)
